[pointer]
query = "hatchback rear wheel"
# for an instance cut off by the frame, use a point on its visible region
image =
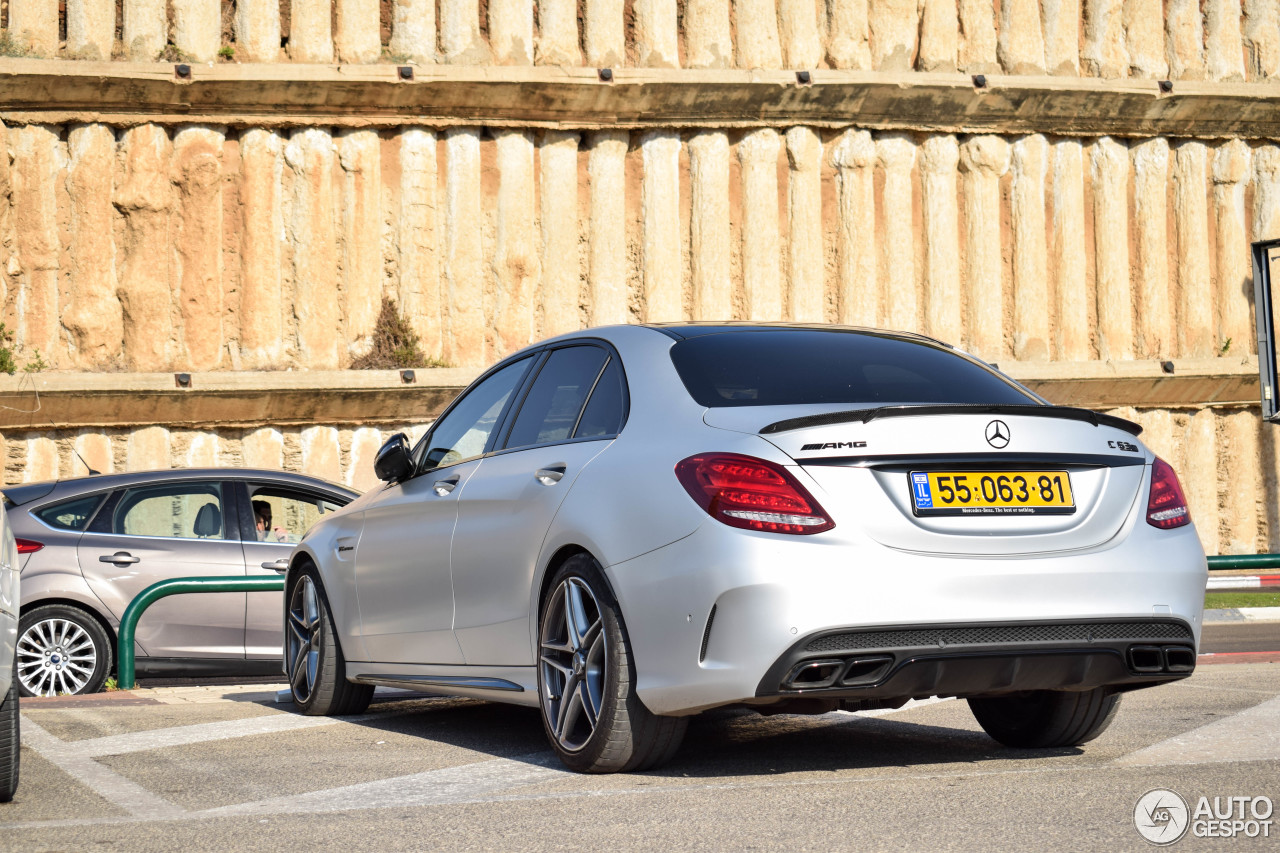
(586, 680)
(62, 650)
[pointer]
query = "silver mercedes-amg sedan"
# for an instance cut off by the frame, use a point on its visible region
(626, 526)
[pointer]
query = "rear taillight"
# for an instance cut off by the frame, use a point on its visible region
(28, 546)
(742, 491)
(1166, 505)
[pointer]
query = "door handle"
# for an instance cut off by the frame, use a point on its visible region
(445, 486)
(120, 558)
(550, 475)
(281, 565)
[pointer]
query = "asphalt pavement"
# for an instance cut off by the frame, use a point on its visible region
(225, 768)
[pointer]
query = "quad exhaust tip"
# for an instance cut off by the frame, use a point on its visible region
(832, 672)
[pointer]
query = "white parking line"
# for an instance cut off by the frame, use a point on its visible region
(201, 733)
(103, 781)
(1250, 735)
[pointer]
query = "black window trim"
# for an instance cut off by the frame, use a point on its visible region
(228, 497)
(611, 354)
(102, 495)
(248, 526)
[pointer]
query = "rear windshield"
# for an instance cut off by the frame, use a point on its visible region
(784, 367)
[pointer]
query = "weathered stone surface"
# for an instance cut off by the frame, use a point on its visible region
(516, 265)
(311, 31)
(312, 235)
(33, 24)
(144, 198)
(42, 461)
(1184, 39)
(1154, 331)
(91, 28)
(894, 31)
(977, 51)
(197, 28)
(757, 29)
(798, 29)
(418, 289)
(858, 298)
(661, 268)
(939, 36)
(1061, 36)
(1104, 52)
(1031, 309)
(1261, 39)
(561, 246)
(1233, 266)
(607, 250)
(462, 278)
(557, 41)
(896, 155)
(257, 26)
(93, 317)
(511, 31)
(37, 165)
(848, 35)
(145, 29)
(1201, 454)
(1110, 164)
(203, 450)
(148, 449)
(365, 443)
(262, 307)
(1071, 334)
(806, 265)
(758, 158)
(356, 37)
(603, 33)
(1223, 56)
(359, 155)
(1144, 38)
(1021, 39)
(263, 448)
(1196, 319)
(321, 453)
(1239, 448)
(197, 176)
(413, 30)
(1266, 193)
(91, 452)
(656, 33)
(939, 159)
(983, 160)
(709, 249)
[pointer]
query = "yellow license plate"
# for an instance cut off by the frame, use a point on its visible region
(991, 493)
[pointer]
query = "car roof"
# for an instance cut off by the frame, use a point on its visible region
(685, 330)
(21, 493)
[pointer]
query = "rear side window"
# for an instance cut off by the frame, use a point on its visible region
(550, 410)
(70, 515)
(607, 406)
(807, 366)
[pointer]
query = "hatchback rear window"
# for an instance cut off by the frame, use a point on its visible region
(70, 515)
(783, 367)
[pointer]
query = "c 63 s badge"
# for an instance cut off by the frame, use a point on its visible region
(834, 445)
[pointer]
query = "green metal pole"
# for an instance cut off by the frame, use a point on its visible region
(1245, 561)
(177, 586)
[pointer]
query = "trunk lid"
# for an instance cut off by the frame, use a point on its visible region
(871, 466)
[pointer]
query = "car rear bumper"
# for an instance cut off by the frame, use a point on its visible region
(726, 616)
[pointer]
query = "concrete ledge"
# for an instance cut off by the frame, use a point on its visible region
(284, 398)
(289, 398)
(283, 95)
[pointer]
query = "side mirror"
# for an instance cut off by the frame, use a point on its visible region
(393, 463)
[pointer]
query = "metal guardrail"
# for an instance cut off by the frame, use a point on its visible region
(176, 586)
(1244, 561)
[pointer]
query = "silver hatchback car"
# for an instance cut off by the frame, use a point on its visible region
(625, 526)
(89, 545)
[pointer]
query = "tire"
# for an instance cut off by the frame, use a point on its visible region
(62, 650)
(314, 663)
(602, 726)
(10, 744)
(1037, 719)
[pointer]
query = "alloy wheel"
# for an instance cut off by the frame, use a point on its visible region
(304, 639)
(55, 657)
(573, 655)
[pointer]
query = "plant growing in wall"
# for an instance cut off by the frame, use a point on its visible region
(395, 344)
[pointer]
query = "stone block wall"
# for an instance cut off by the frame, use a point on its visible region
(148, 242)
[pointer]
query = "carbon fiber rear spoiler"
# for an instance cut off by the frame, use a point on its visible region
(865, 415)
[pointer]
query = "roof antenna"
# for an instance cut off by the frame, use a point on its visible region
(92, 473)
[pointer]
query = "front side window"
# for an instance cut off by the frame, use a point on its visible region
(179, 511)
(463, 433)
(554, 403)
(284, 515)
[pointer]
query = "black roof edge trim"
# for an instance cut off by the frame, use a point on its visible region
(866, 415)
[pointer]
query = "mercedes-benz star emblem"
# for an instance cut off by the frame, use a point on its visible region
(998, 434)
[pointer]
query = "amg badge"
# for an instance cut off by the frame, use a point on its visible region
(833, 445)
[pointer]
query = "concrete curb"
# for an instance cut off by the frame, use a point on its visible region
(1242, 614)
